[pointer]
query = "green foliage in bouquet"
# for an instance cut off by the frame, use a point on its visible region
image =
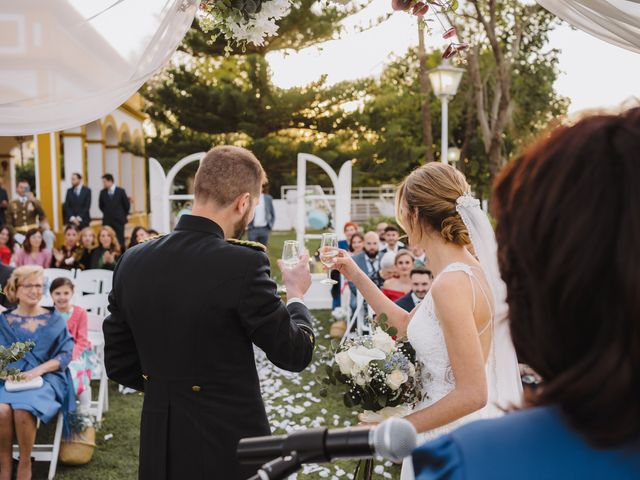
(12, 354)
(377, 370)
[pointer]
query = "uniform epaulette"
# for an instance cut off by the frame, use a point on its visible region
(148, 239)
(247, 243)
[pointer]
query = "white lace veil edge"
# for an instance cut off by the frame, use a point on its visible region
(503, 375)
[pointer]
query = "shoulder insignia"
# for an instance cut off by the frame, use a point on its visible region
(247, 243)
(154, 237)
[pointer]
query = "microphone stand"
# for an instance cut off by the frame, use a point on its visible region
(280, 468)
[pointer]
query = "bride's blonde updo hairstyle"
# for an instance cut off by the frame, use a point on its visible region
(427, 197)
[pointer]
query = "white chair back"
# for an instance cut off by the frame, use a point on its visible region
(94, 281)
(94, 322)
(94, 302)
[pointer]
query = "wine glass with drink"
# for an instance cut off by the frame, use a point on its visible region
(328, 253)
(290, 253)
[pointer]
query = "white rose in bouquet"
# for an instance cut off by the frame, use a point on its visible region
(344, 362)
(382, 341)
(395, 379)
(362, 355)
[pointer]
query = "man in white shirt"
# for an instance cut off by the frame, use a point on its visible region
(391, 237)
(77, 203)
(262, 223)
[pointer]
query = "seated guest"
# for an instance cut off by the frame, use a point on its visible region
(82, 358)
(69, 255)
(108, 251)
(357, 243)
(421, 279)
(33, 250)
(392, 239)
(7, 244)
(568, 223)
(88, 243)
(400, 284)
(138, 235)
(48, 359)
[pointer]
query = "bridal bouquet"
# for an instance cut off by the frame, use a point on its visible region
(379, 374)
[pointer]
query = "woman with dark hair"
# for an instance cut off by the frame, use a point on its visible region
(108, 251)
(398, 286)
(138, 235)
(356, 245)
(34, 251)
(568, 226)
(70, 253)
(7, 244)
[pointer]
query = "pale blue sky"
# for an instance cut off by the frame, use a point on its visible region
(595, 73)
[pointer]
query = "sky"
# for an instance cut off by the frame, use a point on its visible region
(594, 73)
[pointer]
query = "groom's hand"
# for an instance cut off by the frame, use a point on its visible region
(296, 279)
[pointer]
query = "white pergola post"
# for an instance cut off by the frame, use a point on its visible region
(341, 185)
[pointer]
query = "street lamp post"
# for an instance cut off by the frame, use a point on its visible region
(445, 80)
(453, 156)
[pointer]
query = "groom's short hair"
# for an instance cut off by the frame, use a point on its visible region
(225, 173)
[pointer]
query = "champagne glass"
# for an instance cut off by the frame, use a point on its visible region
(328, 253)
(290, 253)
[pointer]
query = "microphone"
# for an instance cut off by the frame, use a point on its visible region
(392, 439)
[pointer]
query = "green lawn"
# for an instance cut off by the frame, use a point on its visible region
(292, 401)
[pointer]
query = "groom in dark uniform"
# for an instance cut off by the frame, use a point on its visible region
(186, 310)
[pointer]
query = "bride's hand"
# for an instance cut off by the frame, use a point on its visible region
(345, 265)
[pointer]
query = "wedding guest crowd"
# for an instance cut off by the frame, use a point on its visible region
(390, 266)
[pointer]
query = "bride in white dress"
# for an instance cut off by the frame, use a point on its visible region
(459, 331)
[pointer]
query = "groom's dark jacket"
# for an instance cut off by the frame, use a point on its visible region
(185, 312)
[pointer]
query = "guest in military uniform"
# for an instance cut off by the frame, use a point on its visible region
(25, 212)
(184, 335)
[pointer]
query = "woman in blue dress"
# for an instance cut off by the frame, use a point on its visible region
(568, 227)
(48, 358)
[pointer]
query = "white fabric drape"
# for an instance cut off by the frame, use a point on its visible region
(65, 63)
(615, 21)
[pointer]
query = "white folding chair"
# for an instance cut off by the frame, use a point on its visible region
(46, 452)
(94, 302)
(96, 337)
(94, 281)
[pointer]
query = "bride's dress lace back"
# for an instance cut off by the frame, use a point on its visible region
(427, 338)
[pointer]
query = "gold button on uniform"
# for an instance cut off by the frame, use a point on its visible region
(196, 388)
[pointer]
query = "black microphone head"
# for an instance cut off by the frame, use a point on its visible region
(395, 439)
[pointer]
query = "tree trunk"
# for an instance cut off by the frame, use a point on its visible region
(425, 90)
